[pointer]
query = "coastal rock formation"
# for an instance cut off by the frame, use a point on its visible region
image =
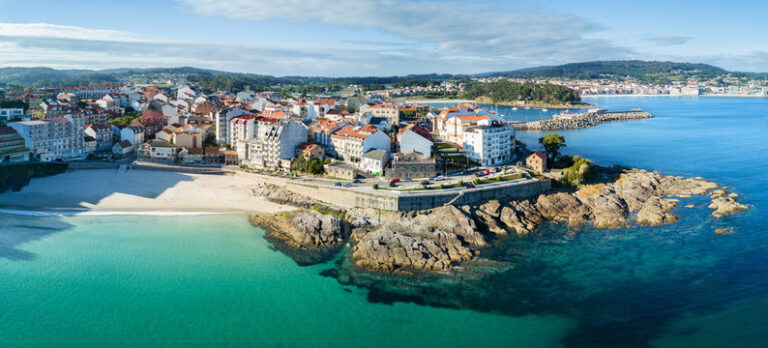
(655, 212)
(404, 249)
(305, 235)
(607, 208)
(726, 206)
(562, 207)
(520, 216)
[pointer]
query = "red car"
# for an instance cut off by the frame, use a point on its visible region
(396, 180)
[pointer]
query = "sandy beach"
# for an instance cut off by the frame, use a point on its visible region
(140, 191)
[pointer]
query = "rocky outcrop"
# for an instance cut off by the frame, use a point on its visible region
(607, 209)
(655, 212)
(562, 207)
(520, 216)
(307, 236)
(726, 206)
(401, 250)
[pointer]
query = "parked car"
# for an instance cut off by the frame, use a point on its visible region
(337, 184)
(424, 182)
(396, 180)
(407, 180)
(356, 181)
(348, 185)
(440, 178)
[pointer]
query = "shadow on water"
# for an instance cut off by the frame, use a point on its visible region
(37, 211)
(623, 287)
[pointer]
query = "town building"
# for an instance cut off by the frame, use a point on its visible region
(134, 135)
(277, 146)
(156, 150)
(489, 143)
(12, 146)
(410, 165)
(310, 151)
(350, 142)
(223, 116)
(341, 171)
(10, 114)
(375, 161)
(454, 128)
(48, 140)
(122, 149)
(415, 138)
(387, 111)
(537, 161)
(321, 132)
(102, 133)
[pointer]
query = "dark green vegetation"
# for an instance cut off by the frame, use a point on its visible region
(123, 121)
(506, 91)
(13, 103)
(552, 143)
(642, 71)
(579, 172)
(15, 176)
(314, 166)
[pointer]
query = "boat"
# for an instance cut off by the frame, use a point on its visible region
(527, 107)
(545, 110)
(514, 108)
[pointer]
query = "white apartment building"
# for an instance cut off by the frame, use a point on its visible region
(223, 116)
(134, 135)
(276, 147)
(388, 111)
(490, 143)
(52, 139)
(11, 114)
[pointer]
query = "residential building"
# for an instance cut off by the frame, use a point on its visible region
(58, 138)
(188, 139)
(214, 155)
(10, 114)
(412, 164)
(277, 146)
(156, 150)
(350, 142)
(102, 133)
(121, 149)
(387, 111)
(489, 143)
(134, 135)
(223, 117)
(12, 146)
(415, 138)
(537, 161)
(375, 161)
(191, 155)
(341, 171)
(454, 127)
(321, 132)
(310, 151)
(89, 144)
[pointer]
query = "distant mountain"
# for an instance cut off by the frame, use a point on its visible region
(643, 71)
(620, 70)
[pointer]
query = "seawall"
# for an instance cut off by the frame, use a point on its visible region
(587, 120)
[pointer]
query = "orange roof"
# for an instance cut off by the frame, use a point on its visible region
(418, 130)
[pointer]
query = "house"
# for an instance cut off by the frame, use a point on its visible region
(187, 138)
(375, 161)
(341, 171)
(167, 134)
(310, 151)
(122, 149)
(214, 155)
(53, 139)
(191, 155)
(387, 111)
(537, 161)
(156, 150)
(102, 133)
(350, 142)
(412, 164)
(415, 138)
(230, 158)
(10, 113)
(12, 146)
(489, 143)
(134, 135)
(90, 144)
(321, 131)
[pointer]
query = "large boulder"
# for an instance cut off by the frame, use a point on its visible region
(520, 216)
(562, 207)
(390, 250)
(655, 212)
(726, 206)
(307, 236)
(607, 208)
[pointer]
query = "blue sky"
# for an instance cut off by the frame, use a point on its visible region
(378, 37)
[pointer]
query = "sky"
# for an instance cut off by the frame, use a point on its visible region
(378, 37)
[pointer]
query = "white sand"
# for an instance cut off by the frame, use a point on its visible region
(140, 191)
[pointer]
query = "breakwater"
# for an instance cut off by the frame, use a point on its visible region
(588, 119)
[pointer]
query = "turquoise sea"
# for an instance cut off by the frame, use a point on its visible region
(128, 281)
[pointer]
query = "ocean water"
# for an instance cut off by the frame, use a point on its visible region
(214, 281)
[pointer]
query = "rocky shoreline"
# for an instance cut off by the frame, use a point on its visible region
(440, 239)
(588, 120)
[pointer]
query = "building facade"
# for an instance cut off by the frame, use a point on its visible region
(489, 144)
(53, 139)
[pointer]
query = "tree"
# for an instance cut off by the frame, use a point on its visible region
(552, 143)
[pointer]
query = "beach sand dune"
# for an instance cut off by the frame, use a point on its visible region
(141, 191)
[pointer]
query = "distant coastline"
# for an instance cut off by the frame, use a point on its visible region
(532, 106)
(671, 96)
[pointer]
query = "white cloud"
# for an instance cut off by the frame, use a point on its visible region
(490, 29)
(63, 32)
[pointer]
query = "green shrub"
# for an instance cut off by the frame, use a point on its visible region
(375, 186)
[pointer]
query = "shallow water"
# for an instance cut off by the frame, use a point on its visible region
(213, 280)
